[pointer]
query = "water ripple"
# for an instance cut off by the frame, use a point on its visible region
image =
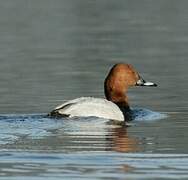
(98, 165)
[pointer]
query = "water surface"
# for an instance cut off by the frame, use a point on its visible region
(55, 51)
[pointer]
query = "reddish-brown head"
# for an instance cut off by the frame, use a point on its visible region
(120, 77)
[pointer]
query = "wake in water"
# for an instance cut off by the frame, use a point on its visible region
(143, 114)
(36, 126)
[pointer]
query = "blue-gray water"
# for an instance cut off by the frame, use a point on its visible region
(52, 51)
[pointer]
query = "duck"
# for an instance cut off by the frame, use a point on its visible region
(115, 105)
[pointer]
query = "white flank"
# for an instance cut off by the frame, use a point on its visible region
(89, 106)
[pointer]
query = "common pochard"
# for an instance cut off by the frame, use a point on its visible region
(115, 106)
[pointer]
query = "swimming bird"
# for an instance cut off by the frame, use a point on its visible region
(115, 106)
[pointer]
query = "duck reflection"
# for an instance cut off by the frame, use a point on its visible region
(85, 135)
(97, 138)
(76, 135)
(122, 142)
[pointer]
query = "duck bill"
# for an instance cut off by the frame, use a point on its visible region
(142, 82)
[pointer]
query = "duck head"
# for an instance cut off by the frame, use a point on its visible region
(120, 78)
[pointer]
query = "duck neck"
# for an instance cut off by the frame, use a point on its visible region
(119, 98)
(123, 104)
